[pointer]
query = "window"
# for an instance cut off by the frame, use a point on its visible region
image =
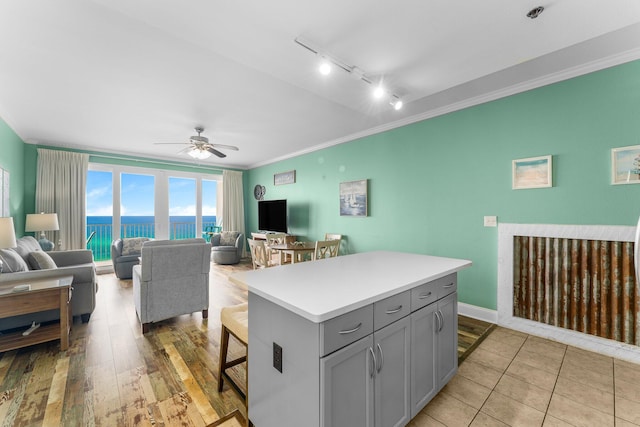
(125, 201)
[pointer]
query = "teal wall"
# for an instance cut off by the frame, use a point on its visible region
(431, 183)
(12, 159)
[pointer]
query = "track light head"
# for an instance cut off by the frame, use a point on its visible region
(378, 92)
(325, 66)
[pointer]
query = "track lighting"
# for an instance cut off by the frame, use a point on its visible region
(328, 62)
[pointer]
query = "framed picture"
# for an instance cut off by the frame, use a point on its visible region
(353, 198)
(533, 172)
(284, 178)
(625, 165)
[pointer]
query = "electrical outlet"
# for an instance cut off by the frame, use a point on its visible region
(490, 221)
(277, 357)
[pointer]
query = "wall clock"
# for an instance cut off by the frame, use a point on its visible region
(258, 192)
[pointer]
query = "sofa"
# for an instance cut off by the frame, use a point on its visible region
(171, 279)
(28, 261)
(226, 247)
(124, 255)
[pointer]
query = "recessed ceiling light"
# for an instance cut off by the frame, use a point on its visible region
(535, 12)
(378, 92)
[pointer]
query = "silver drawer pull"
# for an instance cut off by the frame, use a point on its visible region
(350, 331)
(424, 296)
(448, 286)
(395, 310)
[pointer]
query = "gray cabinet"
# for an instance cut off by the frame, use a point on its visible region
(376, 365)
(392, 391)
(346, 386)
(434, 349)
(367, 383)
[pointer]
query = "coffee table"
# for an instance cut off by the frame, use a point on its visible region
(43, 295)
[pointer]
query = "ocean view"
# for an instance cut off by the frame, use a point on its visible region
(180, 227)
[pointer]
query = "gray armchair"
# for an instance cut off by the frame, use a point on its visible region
(172, 279)
(125, 254)
(226, 247)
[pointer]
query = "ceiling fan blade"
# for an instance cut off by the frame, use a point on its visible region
(184, 150)
(170, 143)
(216, 152)
(228, 147)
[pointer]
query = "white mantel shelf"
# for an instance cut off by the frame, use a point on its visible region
(321, 290)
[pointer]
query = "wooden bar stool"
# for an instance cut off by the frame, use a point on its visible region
(235, 321)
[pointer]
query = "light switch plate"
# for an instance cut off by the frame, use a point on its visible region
(491, 221)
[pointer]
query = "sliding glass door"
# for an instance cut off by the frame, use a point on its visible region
(126, 201)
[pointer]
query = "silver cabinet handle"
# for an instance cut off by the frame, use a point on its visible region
(437, 315)
(424, 296)
(372, 368)
(449, 285)
(395, 310)
(350, 331)
(441, 320)
(381, 357)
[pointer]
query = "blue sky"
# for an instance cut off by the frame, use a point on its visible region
(137, 195)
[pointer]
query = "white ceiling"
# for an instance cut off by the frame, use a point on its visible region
(119, 75)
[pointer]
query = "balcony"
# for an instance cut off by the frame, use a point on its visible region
(100, 243)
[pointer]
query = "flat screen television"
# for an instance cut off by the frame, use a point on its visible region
(272, 215)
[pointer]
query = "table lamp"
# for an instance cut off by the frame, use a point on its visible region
(7, 236)
(43, 222)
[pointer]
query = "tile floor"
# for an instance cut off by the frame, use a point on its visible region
(515, 379)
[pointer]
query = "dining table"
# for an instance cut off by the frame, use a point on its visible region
(296, 250)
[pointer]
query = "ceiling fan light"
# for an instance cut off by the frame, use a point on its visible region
(199, 154)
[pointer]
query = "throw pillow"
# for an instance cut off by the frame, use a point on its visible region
(228, 238)
(40, 260)
(12, 262)
(133, 245)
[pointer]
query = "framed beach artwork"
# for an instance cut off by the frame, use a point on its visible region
(533, 172)
(625, 165)
(353, 198)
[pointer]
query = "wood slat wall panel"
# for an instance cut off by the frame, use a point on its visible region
(583, 285)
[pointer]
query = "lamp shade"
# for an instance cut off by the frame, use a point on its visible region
(42, 222)
(7, 233)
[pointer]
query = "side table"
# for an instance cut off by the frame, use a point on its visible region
(44, 295)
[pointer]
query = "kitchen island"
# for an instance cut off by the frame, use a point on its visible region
(358, 340)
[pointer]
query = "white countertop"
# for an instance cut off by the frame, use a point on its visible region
(321, 290)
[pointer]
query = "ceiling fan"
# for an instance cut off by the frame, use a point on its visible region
(200, 148)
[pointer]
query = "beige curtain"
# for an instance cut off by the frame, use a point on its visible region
(61, 188)
(233, 202)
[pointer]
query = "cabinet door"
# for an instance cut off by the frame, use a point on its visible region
(392, 381)
(423, 357)
(447, 339)
(346, 386)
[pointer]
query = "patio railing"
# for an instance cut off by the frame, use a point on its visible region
(100, 244)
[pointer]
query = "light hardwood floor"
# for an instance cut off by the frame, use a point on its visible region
(112, 375)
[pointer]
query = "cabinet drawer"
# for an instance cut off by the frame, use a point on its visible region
(429, 292)
(391, 309)
(343, 330)
(447, 285)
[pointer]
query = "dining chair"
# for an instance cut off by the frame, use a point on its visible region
(326, 249)
(259, 254)
(333, 236)
(274, 239)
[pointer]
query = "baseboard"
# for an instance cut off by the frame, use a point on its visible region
(479, 313)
